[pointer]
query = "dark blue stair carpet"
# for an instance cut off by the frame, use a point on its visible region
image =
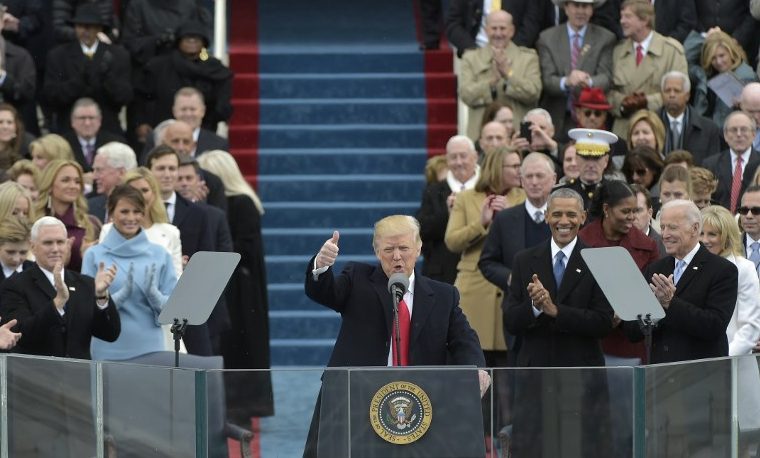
(333, 214)
(346, 188)
(340, 59)
(300, 352)
(297, 22)
(343, 136)
(290, 297)
(289, 240)
(340, 111)
(348, 85)
(341, 161)
(304, 324)
(292, 268)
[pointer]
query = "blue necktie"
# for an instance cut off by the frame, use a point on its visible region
(559, 268)
(680, 266)
(754, 256)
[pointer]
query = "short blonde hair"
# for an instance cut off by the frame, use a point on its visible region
(730, 235)
(655, 123)
(52, 147)
(702, 180)
(10, 191)
(395, 225)
(15, 230)
(157, 210)
(433, 166)
(720, 39)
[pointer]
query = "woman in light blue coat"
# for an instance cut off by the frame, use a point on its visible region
(144, 281)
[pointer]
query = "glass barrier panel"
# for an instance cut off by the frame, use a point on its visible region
(51, 407)
(748, 404)
(267, 412)
(149, 411)
(687, 408)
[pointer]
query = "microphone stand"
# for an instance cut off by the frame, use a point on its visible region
(646, 324)
(397, 338)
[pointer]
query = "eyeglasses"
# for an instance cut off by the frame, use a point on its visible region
(598, 113)
(744, 210)
(739, 130)
(85, 118)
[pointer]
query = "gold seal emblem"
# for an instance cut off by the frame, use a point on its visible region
(400, 412)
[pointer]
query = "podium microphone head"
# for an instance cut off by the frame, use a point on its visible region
(398, 284)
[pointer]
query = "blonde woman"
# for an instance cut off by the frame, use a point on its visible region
(155, 221)
(646, 129)
(62, 196)
(49, 148)
(15, 201)
(246, 344)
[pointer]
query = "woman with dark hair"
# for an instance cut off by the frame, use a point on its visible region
(13, 140)
(613, 213)
(642, 165)
(500, 112)
(570, 168)
(144, 278)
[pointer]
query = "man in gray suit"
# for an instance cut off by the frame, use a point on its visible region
(573, 56)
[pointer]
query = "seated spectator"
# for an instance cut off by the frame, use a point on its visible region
(87, 134)
(493, 135)
(14, 141)
(733, 17)
(15, 201)
(644, 216)
(685, 128)
(25, 173)
(499, 112)
(592, 109)
(646, 129)
(643, 166)
(62, 196)
(188, 65)
(90, 68)
(63, 12)
(720, 54)
(436, 169)
(568, 157)
(190, 108)
(703, 184)
(680, 157)
(14, 247)
(541, 135)
(142, 284)
(501, 71)
(49, 148)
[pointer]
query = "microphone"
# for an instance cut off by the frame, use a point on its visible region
(397, 285)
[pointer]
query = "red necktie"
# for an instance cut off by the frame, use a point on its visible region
(403, 325)
(639, 54)
(575, 52)
(736, 184)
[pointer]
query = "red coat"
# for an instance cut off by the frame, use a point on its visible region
(643, 251)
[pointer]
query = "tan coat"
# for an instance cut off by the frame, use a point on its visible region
(523, 88)
(665, 54)
(480, 299)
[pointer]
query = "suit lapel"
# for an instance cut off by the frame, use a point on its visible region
(574, 270)
(541, 265)
(724, 172)
(749, 169)
(180, 210)
(519, 221)
(380, 284)
(692, 270)
(43, 283)
(422, 307)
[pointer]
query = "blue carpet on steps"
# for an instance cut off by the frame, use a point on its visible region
(342, 142)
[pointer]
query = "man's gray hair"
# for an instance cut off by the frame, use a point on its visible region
(693, 215)
(537, 157)
(738, 113)
(540, 112)
(85, 102)
(158, 131)
(44, 222)
(461, 139)
(685, 82)
(566, 193)
(118, 155)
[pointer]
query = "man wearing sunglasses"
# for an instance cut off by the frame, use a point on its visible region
(573, 56)
(749, 217)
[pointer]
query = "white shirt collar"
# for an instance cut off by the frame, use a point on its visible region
(456, 185)
(8, 271)
(644, 44)
(745, 158)
(89, 50)
(690, 255)
(567, 249)
(172, 200)
(532, 209)
(679, 118)
(571, 32)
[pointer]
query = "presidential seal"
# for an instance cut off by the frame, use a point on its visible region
(400, 412)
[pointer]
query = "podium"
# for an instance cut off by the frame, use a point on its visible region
(408, 412)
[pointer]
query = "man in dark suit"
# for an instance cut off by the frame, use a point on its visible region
(88, 68)
(192, 223)
(749, 217)
(573, 55)
(696, 288)
(87, 135)
(560, 313)
(685, 128)
(436, 331)
(735, 167)
(58, 310)
(518, 228)
(675, 18)
(437, 200)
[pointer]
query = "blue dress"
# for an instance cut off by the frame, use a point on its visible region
(140, 330)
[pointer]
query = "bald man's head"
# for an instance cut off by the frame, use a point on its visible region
(499, 29)
(750, 101)
(179, 135)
